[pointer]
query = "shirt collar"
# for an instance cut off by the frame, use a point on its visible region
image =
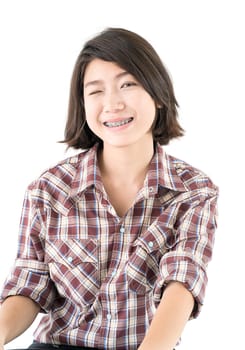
(167, 169)
(88, 173)
(162, 172)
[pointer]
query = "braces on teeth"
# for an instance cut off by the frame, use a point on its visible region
(119, 123)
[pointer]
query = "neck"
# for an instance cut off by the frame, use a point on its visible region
(125, 164)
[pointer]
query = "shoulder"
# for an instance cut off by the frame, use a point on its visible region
(62, 172)
(193, 178)
(53, 186)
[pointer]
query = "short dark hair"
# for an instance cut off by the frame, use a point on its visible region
(134, 54)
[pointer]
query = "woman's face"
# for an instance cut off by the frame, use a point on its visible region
(117, 108)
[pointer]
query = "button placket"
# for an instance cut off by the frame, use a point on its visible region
(108, 316)
(122, 229)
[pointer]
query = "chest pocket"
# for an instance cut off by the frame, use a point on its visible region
(73, 266)
(143, 263)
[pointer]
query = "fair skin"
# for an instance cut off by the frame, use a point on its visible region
(121, 113)
(16, 315)
(170, 318)
(111, 95)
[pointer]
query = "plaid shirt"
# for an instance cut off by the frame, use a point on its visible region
(99, 277)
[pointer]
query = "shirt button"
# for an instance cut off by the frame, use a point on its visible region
(150, 244)
(151, 189)
(122, 230)
(108, 316)
(70, 259)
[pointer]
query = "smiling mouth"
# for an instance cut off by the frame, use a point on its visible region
(118, 123)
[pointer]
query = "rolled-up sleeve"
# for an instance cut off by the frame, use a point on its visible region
(30, 274)
(192, 248)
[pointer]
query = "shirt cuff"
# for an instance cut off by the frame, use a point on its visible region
(31, 279)
(185, 269)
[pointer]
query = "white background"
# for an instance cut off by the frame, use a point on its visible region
(202, 44)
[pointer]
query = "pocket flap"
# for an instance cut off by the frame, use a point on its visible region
(155, 239)
(71, 252)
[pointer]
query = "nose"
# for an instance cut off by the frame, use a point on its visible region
(113, 102)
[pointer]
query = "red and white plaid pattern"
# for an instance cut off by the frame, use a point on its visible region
(99, 277)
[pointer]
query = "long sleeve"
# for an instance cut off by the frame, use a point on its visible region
(30, 274)
(191, 248)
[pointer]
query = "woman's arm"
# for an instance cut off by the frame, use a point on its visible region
(171, 316)
(16, 314)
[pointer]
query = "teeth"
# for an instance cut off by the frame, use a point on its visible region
(119, 123)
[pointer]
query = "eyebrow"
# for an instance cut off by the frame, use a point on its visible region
(96, 82)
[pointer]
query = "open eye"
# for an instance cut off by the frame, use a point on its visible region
(128, 84)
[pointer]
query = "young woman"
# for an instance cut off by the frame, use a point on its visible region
(114, 242)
